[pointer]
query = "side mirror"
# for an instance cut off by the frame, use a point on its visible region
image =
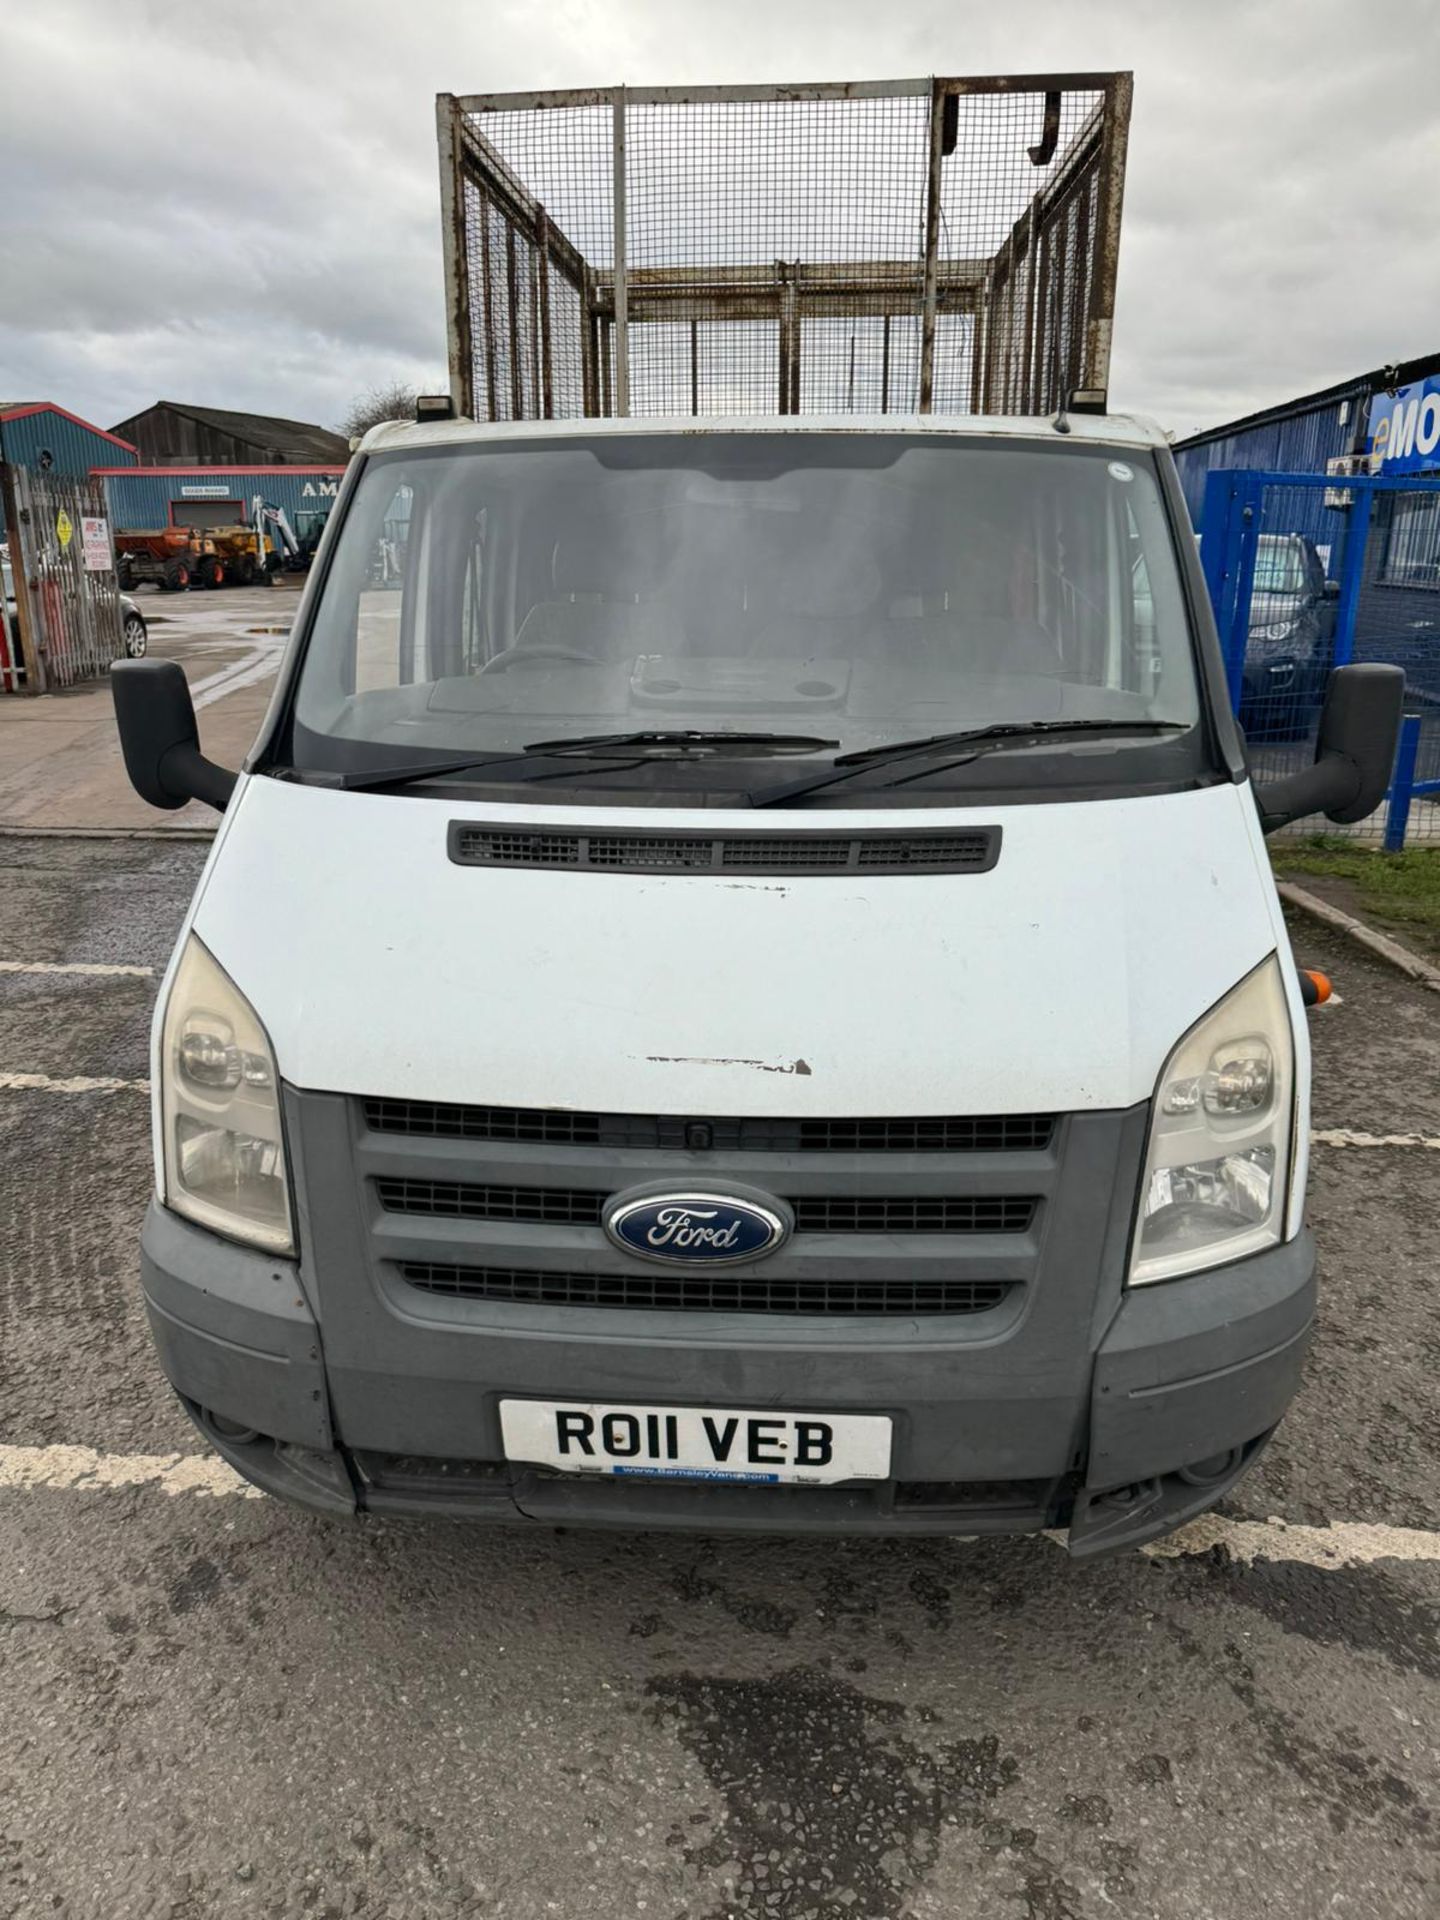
(1359, 731)
(158, 736)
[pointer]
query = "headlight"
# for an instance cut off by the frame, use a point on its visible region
(223, 1153)
(1217, 1171)
(1278, 630)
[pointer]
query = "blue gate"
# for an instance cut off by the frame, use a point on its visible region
(1310, 571)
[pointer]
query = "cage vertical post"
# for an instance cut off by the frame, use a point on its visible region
(931, 283)
(458, 338)
(487, 303)
(622, 290)
(1114, 141)
(589, 347)
(512, 305)
(547, 363)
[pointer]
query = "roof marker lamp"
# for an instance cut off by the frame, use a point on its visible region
(1217, 1172)
(224, 1154)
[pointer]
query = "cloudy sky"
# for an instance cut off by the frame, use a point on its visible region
(238, 207)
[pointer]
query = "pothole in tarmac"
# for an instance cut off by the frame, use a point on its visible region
(267, 629)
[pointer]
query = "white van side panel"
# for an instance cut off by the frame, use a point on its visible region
(1058, 981)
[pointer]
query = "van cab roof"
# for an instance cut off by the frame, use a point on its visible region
(1113, 429)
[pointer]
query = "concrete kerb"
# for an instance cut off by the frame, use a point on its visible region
(1380, 944)
(107, 833)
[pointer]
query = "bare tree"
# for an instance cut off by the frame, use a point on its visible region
(395, 402)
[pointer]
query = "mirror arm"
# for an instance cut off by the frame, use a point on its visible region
(1331, 782)
(186, 772)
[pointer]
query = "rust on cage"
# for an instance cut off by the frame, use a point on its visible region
(878, 246)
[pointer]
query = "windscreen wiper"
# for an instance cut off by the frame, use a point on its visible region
(411, 773)
(681, 737)
(981, 739)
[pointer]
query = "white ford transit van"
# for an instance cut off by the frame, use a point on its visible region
(740, 987)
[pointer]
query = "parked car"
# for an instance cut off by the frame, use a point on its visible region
(137, 636)
(1291, 643)
(134, 632)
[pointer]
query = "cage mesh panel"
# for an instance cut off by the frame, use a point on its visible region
(776, 251)
(1022, 231)
(785, 204)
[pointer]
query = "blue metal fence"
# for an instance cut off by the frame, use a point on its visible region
(1307, 572)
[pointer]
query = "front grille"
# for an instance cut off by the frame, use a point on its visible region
(537, 1126)
(449, 1199)
(706, 1292)
(581, 1207)
(926, 850)
(951, 1214)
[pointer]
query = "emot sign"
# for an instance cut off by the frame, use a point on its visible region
(1405, 429)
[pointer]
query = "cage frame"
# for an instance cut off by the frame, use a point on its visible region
(1011, 368)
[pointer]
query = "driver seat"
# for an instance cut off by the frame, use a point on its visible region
(605, 577)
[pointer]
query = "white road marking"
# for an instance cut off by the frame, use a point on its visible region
(1343, 1137)
(45, 1083)
(83, 1470)
(1348, 1544)
(98, 969)
(258, 664)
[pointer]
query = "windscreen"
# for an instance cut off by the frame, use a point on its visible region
(860, 588)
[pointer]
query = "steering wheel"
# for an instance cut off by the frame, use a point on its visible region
(518, 656)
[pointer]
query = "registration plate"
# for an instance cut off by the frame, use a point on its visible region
(755, 1445)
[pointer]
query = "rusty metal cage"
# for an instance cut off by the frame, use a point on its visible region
(901, 246)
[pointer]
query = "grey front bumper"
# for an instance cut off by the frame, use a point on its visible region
(1186, 1382)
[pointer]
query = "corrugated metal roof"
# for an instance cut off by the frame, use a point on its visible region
(294, 439)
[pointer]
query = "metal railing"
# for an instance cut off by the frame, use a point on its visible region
(944, 245)
(1310, 571)
(67, 620)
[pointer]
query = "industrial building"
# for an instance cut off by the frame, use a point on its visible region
(174, 434)
(1343, 421)
(208, 496)
(176, 465)
(40, 437)
(205, 466)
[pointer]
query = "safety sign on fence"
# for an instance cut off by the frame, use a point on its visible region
(95, 544)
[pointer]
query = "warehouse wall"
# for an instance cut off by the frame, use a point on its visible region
(1299, 442)
(143, 497)
(76, 447)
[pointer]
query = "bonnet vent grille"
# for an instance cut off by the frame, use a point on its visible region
(476, 844)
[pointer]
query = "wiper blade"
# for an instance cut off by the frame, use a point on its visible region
(982, 739)
(413, 773)
(681, 737)
(1000, 730)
